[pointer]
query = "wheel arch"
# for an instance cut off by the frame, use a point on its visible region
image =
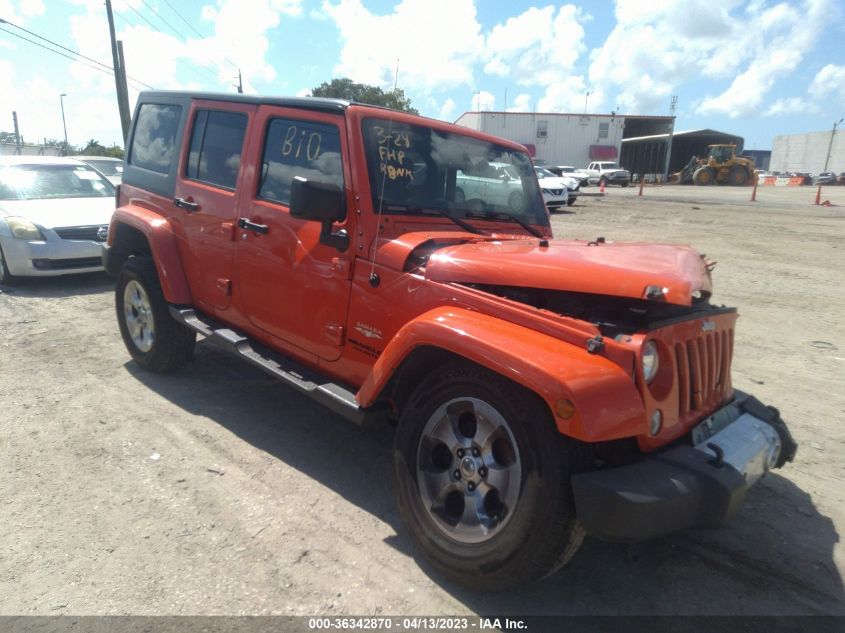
(137, 231)
(606, 402)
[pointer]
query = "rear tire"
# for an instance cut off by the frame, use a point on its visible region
(737, 176)
(154, 339)
(483, 479)
(571, 201)
(6, 278)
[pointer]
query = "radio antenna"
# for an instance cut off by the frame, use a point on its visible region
(374, 278)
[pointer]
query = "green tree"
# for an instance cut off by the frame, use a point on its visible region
(7, 137)
(93, 148)
(362, 93)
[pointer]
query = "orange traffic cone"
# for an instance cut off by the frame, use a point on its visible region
(601, 187)
(818, 194)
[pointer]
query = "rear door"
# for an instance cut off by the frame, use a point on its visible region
(292, 286)
(206, 197)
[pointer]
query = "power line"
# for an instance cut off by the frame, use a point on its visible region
(200, 66)
(178, 34)
(193, 28)
(65, 48)
(105, 69)
(179, 15)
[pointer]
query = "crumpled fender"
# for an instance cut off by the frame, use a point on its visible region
(607, 404)
(162, 240)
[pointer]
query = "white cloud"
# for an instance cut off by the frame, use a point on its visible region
(780, 37)
(447, 110)
(652, 51)
(521, 103)
(18, 12)
(790, 105)
(482, 100)
(432, 53)
(829, 82)
(537, 47)
(239, 32)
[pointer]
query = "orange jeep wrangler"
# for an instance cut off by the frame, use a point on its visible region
(541, 389)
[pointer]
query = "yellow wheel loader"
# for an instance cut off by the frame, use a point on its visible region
(720, 166)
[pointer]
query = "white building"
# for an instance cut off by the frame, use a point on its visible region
(808, 152)
(566, 139)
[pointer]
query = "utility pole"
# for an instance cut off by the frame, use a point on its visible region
(119, 75)
(830, 145)
(240, 85)
(17, 133)
(64, 124)
(669, 141)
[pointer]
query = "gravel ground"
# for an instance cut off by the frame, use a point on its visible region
(215, 490)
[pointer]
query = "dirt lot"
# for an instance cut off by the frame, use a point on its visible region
(215, 490)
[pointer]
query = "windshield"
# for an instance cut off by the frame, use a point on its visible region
(544, 173)
(34, 182)
(416, 168)
(107, 167)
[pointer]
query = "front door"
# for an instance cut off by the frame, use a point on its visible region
(291, 285)
(206, 199)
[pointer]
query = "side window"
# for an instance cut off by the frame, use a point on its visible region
(216, 144)
(299, 148)
(154, 139)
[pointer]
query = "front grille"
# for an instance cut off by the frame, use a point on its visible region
(88, 233)
(554, 192)
(703, 365)
(65, 264)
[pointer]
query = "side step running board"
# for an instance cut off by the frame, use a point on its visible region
(331, 395)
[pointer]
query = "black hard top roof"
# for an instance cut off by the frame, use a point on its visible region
(306, 103)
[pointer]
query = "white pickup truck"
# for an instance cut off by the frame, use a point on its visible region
(609, 172)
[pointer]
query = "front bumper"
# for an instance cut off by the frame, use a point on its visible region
(51, 256)
(700, 485)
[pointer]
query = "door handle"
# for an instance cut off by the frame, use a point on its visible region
(244, 223)
(186, 203)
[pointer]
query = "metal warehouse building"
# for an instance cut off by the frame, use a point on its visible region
(808, 152)
(647, 154)
(568, 139)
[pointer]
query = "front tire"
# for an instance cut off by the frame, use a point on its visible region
(154, 339)
(483, 479)
(6, 278)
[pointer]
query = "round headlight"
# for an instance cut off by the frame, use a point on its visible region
(650, 360)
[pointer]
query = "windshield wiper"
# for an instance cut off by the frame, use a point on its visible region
(469, 228)
(501, 215)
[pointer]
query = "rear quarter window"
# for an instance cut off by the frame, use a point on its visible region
(216, 144)
(154, 143)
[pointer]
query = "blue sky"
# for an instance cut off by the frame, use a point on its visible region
(756, 69)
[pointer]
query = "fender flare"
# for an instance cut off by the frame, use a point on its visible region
(163, 246)
(607, 403)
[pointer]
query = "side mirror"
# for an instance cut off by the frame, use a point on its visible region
(323, 202)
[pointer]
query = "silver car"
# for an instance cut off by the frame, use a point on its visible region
(111, 168)
(54, 216)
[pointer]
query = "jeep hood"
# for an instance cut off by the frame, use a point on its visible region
(612, 268)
